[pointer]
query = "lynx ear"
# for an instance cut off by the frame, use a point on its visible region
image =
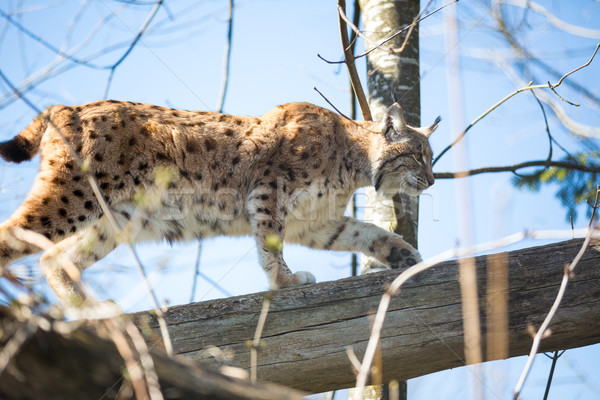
(427, 131)
(393, 123)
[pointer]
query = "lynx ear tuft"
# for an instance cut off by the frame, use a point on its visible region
(430, 129)
(393, 123)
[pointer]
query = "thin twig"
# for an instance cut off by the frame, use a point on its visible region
(555, 358)
(528, 87)
(389, 38)
(412, 27)
(353, 23)
(516, 167)
(568, 271)
(135, 372)
(549, 158)
(543, 328)
(257, 335)
(560, 97)
(131, 46)
(331, 104)
(196, 270)
(47, 44)
(227, 56)
(158, 310)
(146, 361)
(510, 38)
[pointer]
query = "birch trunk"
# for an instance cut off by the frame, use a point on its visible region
(386, 70)
(389, 70)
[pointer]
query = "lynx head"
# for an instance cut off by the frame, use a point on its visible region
(404, 161)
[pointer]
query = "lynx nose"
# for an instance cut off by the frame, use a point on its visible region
(430, 180)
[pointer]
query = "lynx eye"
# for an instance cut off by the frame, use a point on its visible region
(418, 157)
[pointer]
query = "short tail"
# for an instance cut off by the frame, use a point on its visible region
(26, 144)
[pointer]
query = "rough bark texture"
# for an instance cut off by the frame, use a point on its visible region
(309, 328)
(387, 69)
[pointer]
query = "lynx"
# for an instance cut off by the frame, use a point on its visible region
(171, 174)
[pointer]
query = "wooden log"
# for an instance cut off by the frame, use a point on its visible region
(309, 328)
(79, 364)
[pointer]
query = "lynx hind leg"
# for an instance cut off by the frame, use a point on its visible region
(268, 229)
(349, 234)
(79, 252)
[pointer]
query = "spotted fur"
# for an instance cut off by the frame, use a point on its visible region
(183, 175)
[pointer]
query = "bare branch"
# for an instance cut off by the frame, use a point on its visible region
(571, 125)
(555, 358)
(47, 44)
(144, 380)
(516, 167)
(378, 46)
(535, 60)
(554, 20)
(331, 104)
(256, 340)
(550, 138)
(355, 30)
(132, 45)
(196, 270)
(498, 104)
(227, 57)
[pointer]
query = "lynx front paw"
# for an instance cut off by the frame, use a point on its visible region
(304, 278)
(297, 279)
(401, 257)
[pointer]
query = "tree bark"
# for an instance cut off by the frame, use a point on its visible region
(310, 327)
(388, 70)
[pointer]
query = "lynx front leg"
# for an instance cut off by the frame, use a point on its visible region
(266, 220)
(349, 234)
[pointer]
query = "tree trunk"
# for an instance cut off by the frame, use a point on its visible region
(390, 71)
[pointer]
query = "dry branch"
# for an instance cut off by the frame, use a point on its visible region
(82, 365)
(506, 98)
(516, 167)
(349, 60)
(309, 328)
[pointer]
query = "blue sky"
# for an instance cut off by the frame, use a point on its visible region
(179, 63)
